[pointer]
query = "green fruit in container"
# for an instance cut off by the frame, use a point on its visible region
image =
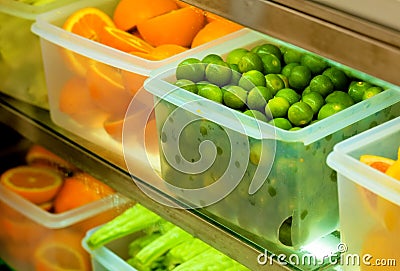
(356, 90)
(258, 97)
(251, 79)
(330, 109)
(339, 97)
(277, 107)
(322, 84)
(187, 85)
(314, 100)
(212, 58)
(292, 56)
(300, 77)
(218, 73)
(271, 63)
(338, 78)
(250, 61)
(282, 123)
(235, 55)
(235, 97)
(287, 69)
(274, 82)
(300, 113)
(256, 114)
(289, 94)
(372, 91)
(192, 69)
(316, 64)
(268, 48)
(211, 92)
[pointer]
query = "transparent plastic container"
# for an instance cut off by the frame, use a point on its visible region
(26, 229)
(290, 198)
(74, 62)
(21, 66)
(369, 200)
(111, 257)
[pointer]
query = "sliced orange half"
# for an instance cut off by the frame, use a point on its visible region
(167, 50)
(378, 162)
(37, 185)
(124, 41)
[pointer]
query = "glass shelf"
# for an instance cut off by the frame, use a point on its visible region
(35, 124)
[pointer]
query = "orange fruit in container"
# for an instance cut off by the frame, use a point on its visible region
(61, 250)
(164, 51)
(75, 101)
(79, 190)
(175, 27)
(88, 23)
(214, 30)
(35, 184)
(107, 90)
(124, 41)
(129, 13)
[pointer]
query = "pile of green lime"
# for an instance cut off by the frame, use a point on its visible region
(285, 87)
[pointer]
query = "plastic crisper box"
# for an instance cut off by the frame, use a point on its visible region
(297, 199)
(26, 228)
(111, 257)
(66, 61)
(21, 66)
(369, 200)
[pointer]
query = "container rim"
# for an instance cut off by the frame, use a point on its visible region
(360, 173)
(64, 219)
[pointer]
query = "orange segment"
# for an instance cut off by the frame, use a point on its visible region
(75, 101)
(88, 22)
(37, 185)
(175, 27)
(214, 30)
(79, 190)
(61, 251)
(124, 41)
(129, 13)
(107, 90)
(167, 50)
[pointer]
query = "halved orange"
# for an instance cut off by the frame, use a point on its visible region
(175, 27)
(61, 250)
(214, 30)
(106, 89)
(41, 157)
(79, 190)
(129, 13)
(378, 162)
(75, 101)
(124, 41)
(164, 51)
(37, 185)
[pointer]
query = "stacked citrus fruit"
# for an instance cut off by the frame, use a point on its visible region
(99, 95)
(283, 86)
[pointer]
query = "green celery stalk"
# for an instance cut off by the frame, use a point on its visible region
(152, 252)
(184, 252)
(131, 220)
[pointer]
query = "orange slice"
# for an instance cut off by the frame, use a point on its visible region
(167, 50)
(88, 23)
(124, 41)
(106, 89)
(214, 30)
(75, 101)
(175, 27)
(61, 251)
(378, 162)
(79, 190)
(129, 13)
(41, 157)
(37, 185)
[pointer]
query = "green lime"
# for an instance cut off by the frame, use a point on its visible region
(300, 114)
(235, 74)
(211, 92)
(268, 48)
(356, 90)
(234, 97)
(187, 85)
(292, 56)
(339, 97)
(250, 61)
(316, 64)
(212, 58)
(329, 109)
(300, 77)
(235, 55)
(282, 123)
(277, 107)
(258, 97)
(338, 78)
(271, 63)
(314, 100)
(256, 114)
(372, 91)
(287, 69)
(306, 90)
(296, 128)
(274, 82)
(255, 151)
(219, 74)
(192, 69)
(251, 79)
(283, 49)
(255, 48)
(202, 83)
(289, 94)
(322, 84)
(284, 79)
